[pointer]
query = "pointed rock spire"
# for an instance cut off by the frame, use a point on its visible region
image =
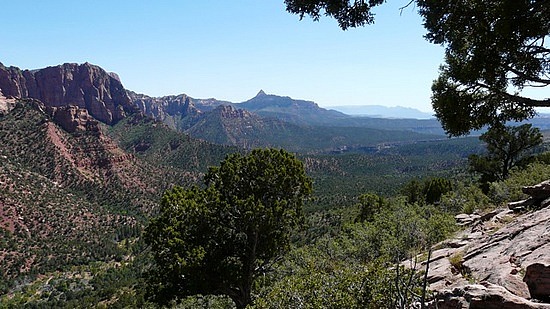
(261, 93)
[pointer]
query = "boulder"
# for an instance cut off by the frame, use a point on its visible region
(537, 278)
(466, 219)
(523, 204)
(539, 197)
(539, 191)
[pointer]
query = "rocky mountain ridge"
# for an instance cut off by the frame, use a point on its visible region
(82, 85)
(76, 95)
(70, 185)
(288, 109)
(54, 185)
(282, 108)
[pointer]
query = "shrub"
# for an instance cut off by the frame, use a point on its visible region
(510, 189)
(466, 199)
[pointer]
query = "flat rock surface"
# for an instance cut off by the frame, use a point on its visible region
(509, 253)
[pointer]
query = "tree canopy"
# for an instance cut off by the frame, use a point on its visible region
(494, 51)
(507, 147)
(348, 14)
(218, 239)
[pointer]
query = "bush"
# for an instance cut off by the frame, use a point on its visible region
(466, 199)
(427, 191)
(510, 189)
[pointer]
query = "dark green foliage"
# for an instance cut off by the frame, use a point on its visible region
(218, 240)
(434, 188)
(254, 131)
(543, 158)
(494, 49)
(486, 168)
(428, 191)
(369, 205)
(340, 179)
(95, 285)
(465, 198)
(509, 190)
(400, 228)
(360, 267)
(83, 244)
(70, 200)
(160, 145)
(413, 191)
(507, 147)
(84, 248)
(348, 15)
(53, 216)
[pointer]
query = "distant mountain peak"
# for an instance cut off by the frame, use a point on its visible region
(261, 93)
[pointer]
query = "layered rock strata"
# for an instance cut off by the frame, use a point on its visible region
(85, 86)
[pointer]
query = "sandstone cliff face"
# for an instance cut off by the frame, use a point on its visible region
(5, 104)
(72, 118)
(176, 111)
(85, 86)
(165, 108)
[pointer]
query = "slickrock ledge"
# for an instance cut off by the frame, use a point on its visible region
(501, 260)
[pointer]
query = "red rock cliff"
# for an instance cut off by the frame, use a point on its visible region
(83, 85)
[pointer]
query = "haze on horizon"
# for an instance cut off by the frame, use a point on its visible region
(230, 50)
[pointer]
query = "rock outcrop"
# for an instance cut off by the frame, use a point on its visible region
(227, 111)
(537, 278)
(73, 118)
(501, 260)
(177, 111)
(85, 86)
(6, 104)
(539, 197)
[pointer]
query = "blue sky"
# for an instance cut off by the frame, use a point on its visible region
(228, 50)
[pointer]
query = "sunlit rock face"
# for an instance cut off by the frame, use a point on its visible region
(504, 259)
(82, 85)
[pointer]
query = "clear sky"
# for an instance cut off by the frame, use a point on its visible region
(228, 50)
